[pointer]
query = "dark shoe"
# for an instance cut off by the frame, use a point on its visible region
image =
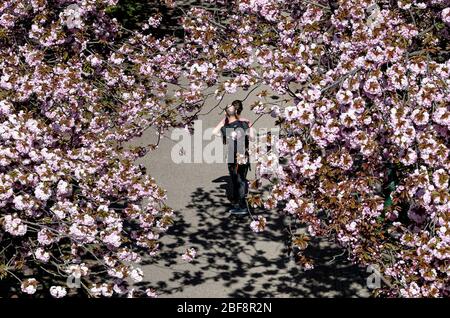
(239, 211)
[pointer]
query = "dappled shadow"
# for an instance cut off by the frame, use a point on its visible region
(248, 264)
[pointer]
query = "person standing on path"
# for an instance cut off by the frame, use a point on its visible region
(236, 133)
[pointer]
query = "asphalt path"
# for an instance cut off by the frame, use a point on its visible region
(232, 260)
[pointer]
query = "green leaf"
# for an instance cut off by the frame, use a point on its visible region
(388, 202)
(391, 186)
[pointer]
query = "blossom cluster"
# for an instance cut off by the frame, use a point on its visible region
(75, 87)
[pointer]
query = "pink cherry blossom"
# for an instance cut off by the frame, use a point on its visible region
(14, 225)
(58, 291)
(189, 255)
(259, 224)
(29, 286)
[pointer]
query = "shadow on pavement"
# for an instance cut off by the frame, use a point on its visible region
(248, 264)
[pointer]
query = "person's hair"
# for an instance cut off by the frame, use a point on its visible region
(238, 106)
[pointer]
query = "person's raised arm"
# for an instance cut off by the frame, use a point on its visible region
(216, 130)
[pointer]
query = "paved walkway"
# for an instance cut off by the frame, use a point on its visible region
(232, 261)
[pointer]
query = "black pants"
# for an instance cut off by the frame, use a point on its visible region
(239, 185)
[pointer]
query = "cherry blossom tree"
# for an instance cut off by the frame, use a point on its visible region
(75, 86)
(364, 149)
